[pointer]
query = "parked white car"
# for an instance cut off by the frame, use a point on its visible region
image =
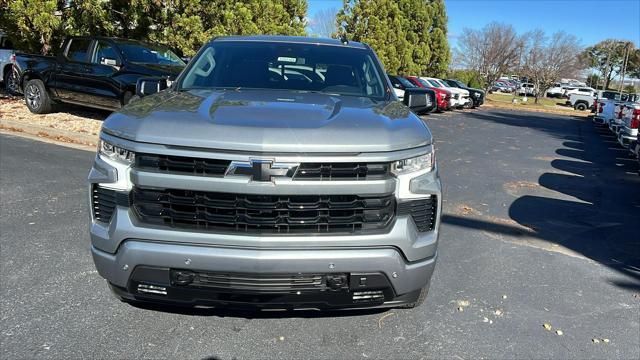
(527, 89)
(580, 91)
(628, 130)
(459, 97)
(7, 56)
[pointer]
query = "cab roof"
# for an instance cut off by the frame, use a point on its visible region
(292, 39)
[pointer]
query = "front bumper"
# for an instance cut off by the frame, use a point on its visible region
(384, 268)
(626, 136)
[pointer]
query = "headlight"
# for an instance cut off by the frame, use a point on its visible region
(422, 162)
(113, 152)
(476, 94)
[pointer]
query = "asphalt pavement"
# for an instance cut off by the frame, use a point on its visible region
(540, 226)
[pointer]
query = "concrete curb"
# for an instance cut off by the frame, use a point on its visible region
(59, 135)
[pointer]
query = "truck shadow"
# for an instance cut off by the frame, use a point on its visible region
(598, 211)
(254, 313)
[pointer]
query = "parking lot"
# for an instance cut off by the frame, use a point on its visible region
(540, 226)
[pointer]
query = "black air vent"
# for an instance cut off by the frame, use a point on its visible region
(423, 212)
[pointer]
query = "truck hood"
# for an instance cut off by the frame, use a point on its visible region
(269, 121)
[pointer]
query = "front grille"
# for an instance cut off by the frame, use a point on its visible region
(278, 214)
(260, 282)
(103, 203)
(305, 171)
(341, 171)
(423, 212)
(181, 164)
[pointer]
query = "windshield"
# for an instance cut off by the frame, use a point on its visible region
(405, 82)
(434, 83)
(149, 54)
(424, 83)
(338, 70)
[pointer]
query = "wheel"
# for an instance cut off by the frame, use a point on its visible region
(420, 300)
(37, 97)
(581, 106)
(469, 105)
(11, 81)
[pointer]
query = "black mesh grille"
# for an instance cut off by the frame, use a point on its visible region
(262, 213)
(103, 202)
(341, 171)
(182, 165)
(423, 212)
(260, 282)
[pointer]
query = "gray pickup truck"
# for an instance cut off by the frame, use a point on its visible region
(275, 172)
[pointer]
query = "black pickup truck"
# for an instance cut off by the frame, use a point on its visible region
(98, 72)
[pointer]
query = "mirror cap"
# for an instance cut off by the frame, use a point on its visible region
(150, 85)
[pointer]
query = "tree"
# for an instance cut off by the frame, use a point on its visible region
(593, 80)
(607, 57)
(491, 51)
(469, 77)
(402, 33)
(546, 60)
(438, 43)
(38, 25)
(381, 24)
(323, 23)
(32, 24)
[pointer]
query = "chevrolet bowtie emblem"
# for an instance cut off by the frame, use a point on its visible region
(261, 170)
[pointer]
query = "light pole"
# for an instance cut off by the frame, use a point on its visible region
(624, 64)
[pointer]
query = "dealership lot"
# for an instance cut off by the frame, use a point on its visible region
(540, 227)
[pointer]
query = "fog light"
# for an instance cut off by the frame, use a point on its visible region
(362, 296)
(152, 289)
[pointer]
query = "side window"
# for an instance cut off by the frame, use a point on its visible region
(77, 50)
(105, 54)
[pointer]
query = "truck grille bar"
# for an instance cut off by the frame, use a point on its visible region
(275, 214)
(305, 171)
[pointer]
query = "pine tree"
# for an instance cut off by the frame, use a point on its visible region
(440, 55)
(409, 36)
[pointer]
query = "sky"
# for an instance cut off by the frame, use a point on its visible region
(589, 20)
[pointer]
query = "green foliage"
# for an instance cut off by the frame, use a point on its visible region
(469, 77)
(409, 36)
(31, 24)
(593, 81)
(630, 89)
(440, 52)
(38, 25)
(607, 57)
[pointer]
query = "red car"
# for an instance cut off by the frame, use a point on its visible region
(443, 96)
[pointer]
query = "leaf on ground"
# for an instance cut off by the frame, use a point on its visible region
(559, 332)
(384, 317)
(547, 327)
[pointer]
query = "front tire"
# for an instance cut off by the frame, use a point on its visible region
(37, 97)
(581, 106)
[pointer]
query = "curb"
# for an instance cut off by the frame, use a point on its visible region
(60, 135)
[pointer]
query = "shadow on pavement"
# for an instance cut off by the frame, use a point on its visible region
(254, 313)
(603, 222)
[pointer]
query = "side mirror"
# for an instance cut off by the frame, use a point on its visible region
(149, 86)
(418, 100)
